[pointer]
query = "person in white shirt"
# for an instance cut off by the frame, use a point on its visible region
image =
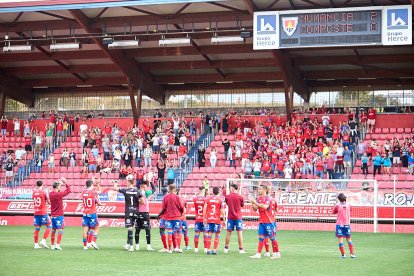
(288, 171)
(256, 168)
(16, 123)
(83, 127)
(51, 163)
(213, 157)
(19, 153)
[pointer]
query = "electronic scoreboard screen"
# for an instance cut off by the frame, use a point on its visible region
(322, 29)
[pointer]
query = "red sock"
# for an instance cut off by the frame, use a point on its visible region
(266, 244)
(170, 240)
(186, 240)
(216, 242)
(164, 241)
(275, 246)
(208, 242)
(46, 234)
(174, 240)
(351, 248)
(341, 248)
(204, 240)
(94, 237)
(179, 237)
(59, 237)
(260, 246)
(196, 240)
(90, 235)
(36, 235)
(52, 237)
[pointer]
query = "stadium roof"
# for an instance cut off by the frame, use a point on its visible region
(200, 65)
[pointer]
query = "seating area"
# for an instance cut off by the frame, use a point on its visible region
(403, 179)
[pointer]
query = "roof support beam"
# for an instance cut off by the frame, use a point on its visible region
(207, 59)
(133, 104)
(2, 102)
(128, 67)
(250, 5)
(291, 74)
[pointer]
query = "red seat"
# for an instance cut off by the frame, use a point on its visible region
(385, 130)
(358, 163)
(400, 130)
(377, 130)
(396, 170)
(393, 130)
(407, 130)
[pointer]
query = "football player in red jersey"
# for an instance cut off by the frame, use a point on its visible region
(41, 216)
(199, 226)
(266, 223)
(213, 216)
(90, 221)
(56, 206)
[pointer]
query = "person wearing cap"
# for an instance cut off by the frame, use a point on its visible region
(56, 207)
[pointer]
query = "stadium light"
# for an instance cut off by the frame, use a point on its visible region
(17, 48)
(226, 39)
(124, 44)
(65, 46)
(175, 42)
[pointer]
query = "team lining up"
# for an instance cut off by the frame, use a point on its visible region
(210, 217)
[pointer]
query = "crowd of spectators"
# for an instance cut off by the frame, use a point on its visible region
(267, 148)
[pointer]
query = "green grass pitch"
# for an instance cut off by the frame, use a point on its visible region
(303, 253)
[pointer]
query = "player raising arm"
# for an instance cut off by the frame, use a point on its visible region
(41, 217)
(56, 206)
(266, 226)
(90, 221)
(199, 202)
(213, 216)
(343, 229)
(234, 202)
(172, 210)
(131, 195)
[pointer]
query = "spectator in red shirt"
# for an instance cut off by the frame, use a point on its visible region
(371, 119)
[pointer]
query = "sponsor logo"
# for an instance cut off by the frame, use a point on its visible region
(397, 19)
(266, 24)
(289, 25)
(3, 222)
(20, 206)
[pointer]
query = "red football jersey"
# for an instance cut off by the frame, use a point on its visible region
(171, 203)
(273, 208)
(234, 201)
(89, 199)
(213, 211)
(265, 215)
(199, 202)
(40, 199)
(56, 201)
(184, 204)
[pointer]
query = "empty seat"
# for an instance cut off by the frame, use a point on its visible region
(385, 130)
(400, 130)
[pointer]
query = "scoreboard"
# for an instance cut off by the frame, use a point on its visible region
(379, 25)
(330, 29)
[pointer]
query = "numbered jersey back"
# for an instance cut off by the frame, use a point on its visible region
(39, 199)
(214, 205)
(89, 202)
